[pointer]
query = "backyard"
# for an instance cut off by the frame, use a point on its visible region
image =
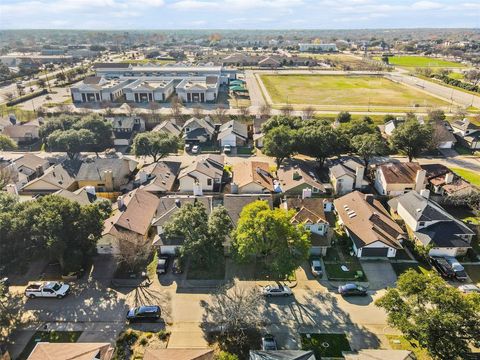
(471, 176)
(344, 90)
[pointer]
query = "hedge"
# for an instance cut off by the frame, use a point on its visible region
(455, 82)
(27, 97)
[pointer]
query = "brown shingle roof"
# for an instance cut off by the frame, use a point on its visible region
(368, 221)
(248, 172)
(71, 351)
(30, 161)
(400, 173)
(136, 214)
(294, 174)
(165, 173)
(178, 354)
(309, 210)
(234, 203)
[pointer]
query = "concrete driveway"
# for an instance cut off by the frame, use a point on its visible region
(380, 274)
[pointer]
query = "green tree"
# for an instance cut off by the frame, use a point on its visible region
(155, 144)
(277, 121)
(388, 118)
(344, 117)
(269, 236)
(319, 141)
(436, 116)
(203, 235)
(436, 315)
(71, 141)
(368, 145)
(7, 143)
(279, 143)
(412, 138)
(101, 130)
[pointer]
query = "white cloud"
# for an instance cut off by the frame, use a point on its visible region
(235, 5)
(427, 5)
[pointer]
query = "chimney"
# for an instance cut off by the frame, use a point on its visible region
(306, 193)
(425, 193)
(108, 178)
(197, 189)
(449, 178)
(142, 176)
(120, 203)
(90, 190)
(12, 189)
(369, 198)
(39, 170)
(234, 188)
(359, 173)
(420, 180)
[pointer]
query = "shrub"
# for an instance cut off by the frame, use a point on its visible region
(143, 341)
(163, 335)
(224, 355)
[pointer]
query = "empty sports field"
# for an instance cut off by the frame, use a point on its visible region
(344, 90)
(420, 61)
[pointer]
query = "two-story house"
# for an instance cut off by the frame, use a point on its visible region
(203, 174)
(198, 130)
(431, 225)
(398, 178)
(468, 132)
(348, 176)
(252, 177)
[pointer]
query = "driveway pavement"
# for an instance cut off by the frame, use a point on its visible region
(380, 274)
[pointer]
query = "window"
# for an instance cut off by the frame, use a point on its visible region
(209, 182)
(421, 224)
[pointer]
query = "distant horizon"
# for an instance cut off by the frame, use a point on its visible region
(237, 29)
(238, 14)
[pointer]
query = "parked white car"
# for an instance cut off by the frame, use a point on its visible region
(50, 289)
(316, 267)
(469, 288)
(276, 290)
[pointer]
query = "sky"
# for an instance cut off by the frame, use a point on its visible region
(238, 14)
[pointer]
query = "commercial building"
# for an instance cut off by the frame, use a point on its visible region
(98, 89)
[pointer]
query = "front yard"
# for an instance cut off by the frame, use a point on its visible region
(398, 342)
(131, 344)
(400, 268)
(474, 272)
(325, 345)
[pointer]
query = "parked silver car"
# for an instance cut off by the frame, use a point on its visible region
(276, 290)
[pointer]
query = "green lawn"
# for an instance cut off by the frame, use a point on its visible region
(344, 90)
(49, 336)
(216, 272)
(421, 61)
(456, 75)
(474, 272)
(462, 150)
(398, 342)
(400, 268)
(326, 345)
(471, 176)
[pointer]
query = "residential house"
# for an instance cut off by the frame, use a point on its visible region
(281, 355)
(23, 169)
(269, 62)
(442, 137)
(310, 212)
(252, 177)
(169, 127)
(234, 203)
(130, 222)
(203, 174)
(198, 130)
(432, 226)
(23, 132)
(398, 178)
(57, 177)
(80, 351)
(372, 231)
(125, 128)
(159, 177)
(178, 354)
(84, 196)
(166, 208)
(233, 133)
(295, 176)
(468, 132)
(442, 181)
(106, 174)
(348, 176)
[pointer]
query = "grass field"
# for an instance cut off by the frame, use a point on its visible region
(326, 345)
(398, 342)
(344, 90)
(420, 61)
(471, 176)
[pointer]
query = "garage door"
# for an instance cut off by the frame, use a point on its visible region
(374, 252)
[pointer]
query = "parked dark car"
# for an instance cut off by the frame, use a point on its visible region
(269, 342)
(162, 265)
(442, 266)
(148, 312)
(458, 268)
(352, 290)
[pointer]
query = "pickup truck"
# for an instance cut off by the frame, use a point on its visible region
(49, 289)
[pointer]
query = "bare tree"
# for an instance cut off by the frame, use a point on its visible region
(244, 111)
(176, 109)
(265, 111)
(197, 111)
(308, 112)
(10, 313)
(238, 312)
(287, 110)
(7, 176)
(133, 250)
(221, 113)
